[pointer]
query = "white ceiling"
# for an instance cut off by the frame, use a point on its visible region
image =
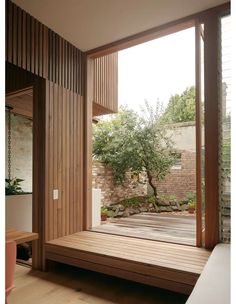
(88, 24)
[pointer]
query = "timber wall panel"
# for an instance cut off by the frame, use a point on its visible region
(105, 96)
(38, 57)
(34, 47)
(64, 166)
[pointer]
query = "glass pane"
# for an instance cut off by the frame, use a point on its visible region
(225, 129)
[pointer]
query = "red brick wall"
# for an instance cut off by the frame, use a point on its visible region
(102, 178)
(180, 181)
(177, 183)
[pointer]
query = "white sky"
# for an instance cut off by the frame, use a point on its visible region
(156, 69)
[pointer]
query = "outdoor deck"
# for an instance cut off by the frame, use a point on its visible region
(169, 266)
(173, 228)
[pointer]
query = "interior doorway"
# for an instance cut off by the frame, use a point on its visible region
(19, 167)
(21, 84)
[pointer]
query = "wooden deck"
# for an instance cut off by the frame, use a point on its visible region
(180, 229)
(170, 266)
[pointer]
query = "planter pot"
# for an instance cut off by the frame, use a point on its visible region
(191, 210)
(19, 212)
(103, 217)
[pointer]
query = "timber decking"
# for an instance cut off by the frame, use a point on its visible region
(170, 266)
(180, 229)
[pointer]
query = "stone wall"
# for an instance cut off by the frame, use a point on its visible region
(103, 179)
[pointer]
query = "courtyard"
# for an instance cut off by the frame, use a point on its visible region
(169, 227)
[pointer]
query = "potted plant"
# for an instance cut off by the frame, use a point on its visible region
(191, 206)
(104, 213)
(13, 186)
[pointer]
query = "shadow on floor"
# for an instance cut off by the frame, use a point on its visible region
(67, 284)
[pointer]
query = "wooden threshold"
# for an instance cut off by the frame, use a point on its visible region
(169, 266)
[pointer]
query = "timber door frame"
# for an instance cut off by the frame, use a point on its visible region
(209, 19)
(14, 87)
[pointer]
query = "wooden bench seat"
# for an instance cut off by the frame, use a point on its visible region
(170, 266)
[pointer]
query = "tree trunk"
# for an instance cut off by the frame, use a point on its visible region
(151, 183)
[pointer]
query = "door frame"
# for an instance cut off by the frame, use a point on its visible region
(208, 18)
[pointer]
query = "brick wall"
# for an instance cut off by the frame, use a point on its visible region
(102, 178)
(180, 180)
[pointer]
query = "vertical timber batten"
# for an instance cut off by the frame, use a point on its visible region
(198, 135)
(105, 91)
(38, 57)
(64, 147)
(39, 156)
(88, 112)
(211, 51)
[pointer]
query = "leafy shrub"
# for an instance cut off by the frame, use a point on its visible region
(172, 198)
(13, 186)
(130, 202)
(104, 210)
(191, 196)
(192, 205)
(151, 199)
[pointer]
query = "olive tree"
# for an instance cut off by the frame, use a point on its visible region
(135, 142)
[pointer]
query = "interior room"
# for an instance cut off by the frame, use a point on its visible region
(61, 75)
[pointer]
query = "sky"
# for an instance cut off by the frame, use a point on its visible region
(156, 69)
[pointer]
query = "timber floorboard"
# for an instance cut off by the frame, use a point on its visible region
(69, 285)
(171, 266)
(166, 227)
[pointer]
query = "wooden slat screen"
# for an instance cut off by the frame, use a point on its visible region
(38, 57)
(225, 129)
(64, 164)
(37, 49)
(105, 85)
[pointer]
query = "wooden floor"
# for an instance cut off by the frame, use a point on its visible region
(69, 285)
(154, 226)
(171, 266)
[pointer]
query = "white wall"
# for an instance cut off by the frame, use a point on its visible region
(19, 212)
(96, 207)
(184, 136)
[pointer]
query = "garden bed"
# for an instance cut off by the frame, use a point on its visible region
(141, 204)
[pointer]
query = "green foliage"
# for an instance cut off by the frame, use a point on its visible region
(114, 143)
(191, 196)
(104, 210)
(192, 205)
(172, 198)
(13, 186)
(134, 142)
(151, 199)
(181, 108)
(130, 202)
